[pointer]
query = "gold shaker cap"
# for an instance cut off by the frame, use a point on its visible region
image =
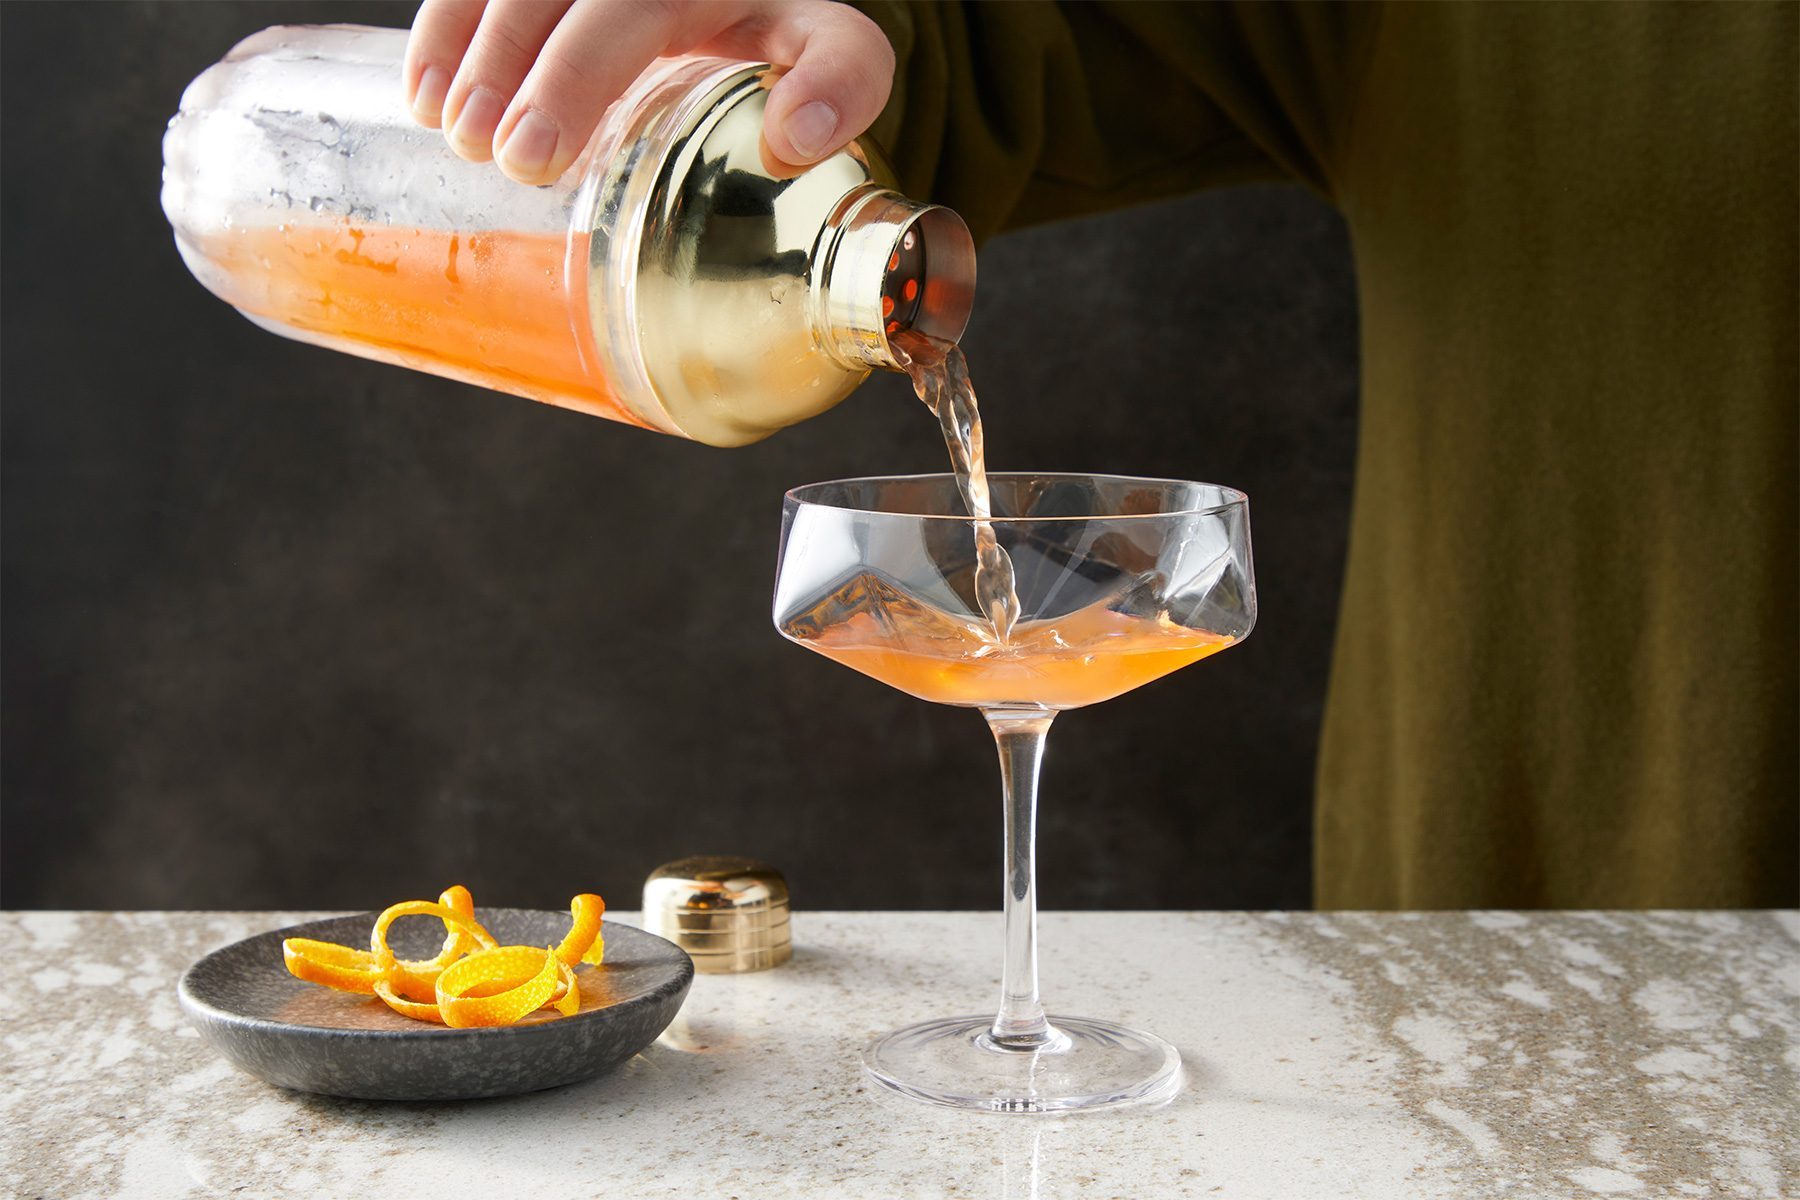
(730, 914)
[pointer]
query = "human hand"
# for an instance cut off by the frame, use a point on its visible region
(524, 82)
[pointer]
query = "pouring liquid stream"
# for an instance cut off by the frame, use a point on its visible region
(940, 377)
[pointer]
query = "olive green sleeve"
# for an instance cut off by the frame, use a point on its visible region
(1019, 112)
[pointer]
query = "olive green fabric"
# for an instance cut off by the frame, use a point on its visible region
(1566, 662)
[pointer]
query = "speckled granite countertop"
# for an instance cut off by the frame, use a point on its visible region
(1387, 1056)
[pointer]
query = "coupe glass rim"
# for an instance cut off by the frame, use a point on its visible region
(1237, 499)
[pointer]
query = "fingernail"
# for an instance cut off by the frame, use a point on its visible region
(428, 97)
(530, 146)
(474, 128)
(809, 128)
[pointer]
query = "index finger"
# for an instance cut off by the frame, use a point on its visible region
(841, 70)
(593, 55)
(441, 33)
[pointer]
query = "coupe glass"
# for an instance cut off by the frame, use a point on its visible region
(1119, 581)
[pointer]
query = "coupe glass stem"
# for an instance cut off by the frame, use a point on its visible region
(1019, 734)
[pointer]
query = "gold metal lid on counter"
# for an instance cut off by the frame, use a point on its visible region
(729, 914)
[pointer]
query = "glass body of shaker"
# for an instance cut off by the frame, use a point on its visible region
(668, 280)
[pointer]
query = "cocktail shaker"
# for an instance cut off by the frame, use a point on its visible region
(730, 914)
(670, 280)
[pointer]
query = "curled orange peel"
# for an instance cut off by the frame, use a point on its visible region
(523, 978)
(567, 997)
(473, 981)
(335, 966)
(456, 909)
(454, 921)
(457, 941)
(583, 943)
(417, 1010)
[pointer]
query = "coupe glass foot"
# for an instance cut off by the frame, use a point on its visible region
(1092, 1064)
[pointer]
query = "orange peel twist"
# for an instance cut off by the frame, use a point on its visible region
(510, 981)
(417, 1010)
(335, 966)
(473, 981)
(456, 909)
(567, 997)
(583, 942)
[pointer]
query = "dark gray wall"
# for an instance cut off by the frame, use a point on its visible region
(285, 628)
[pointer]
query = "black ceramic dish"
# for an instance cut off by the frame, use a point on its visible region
(300, 1035)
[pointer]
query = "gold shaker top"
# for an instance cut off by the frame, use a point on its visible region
(730, 914)
(756, 293)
